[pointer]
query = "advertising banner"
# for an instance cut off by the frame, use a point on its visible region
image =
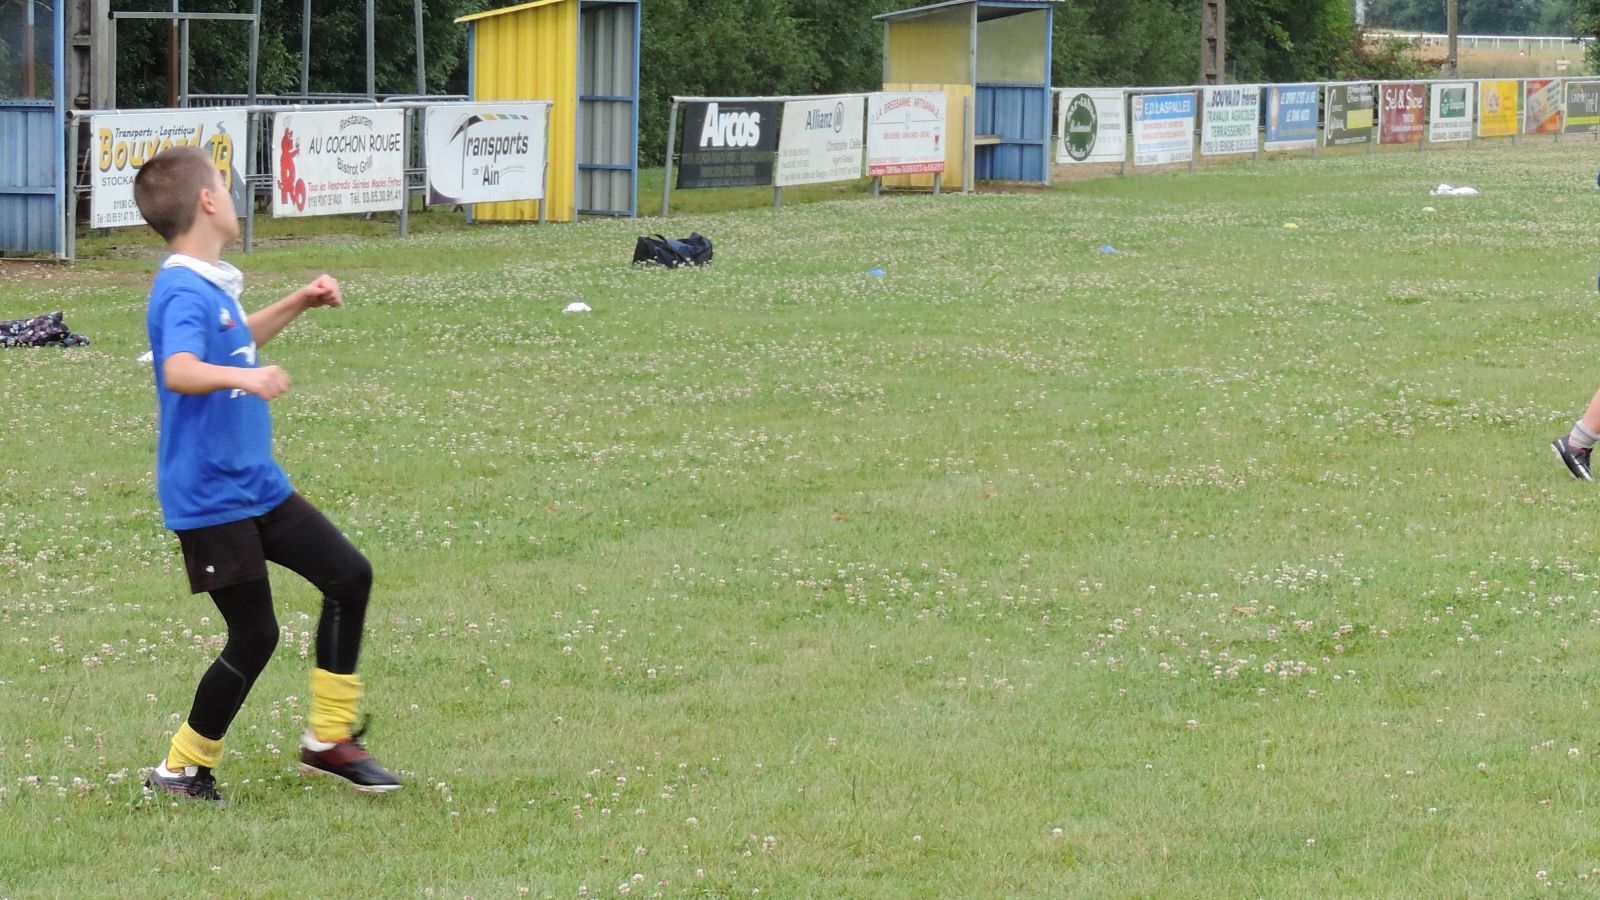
(1092, 127)
(484, 152)
(1231, 120)
(1401, 108)
(1351, 114)
(337, 161)
(1543, 105)
(729, 144)
(1499, 109)
(1581, 113)
(1292, 116)
(1449, 112)
(905, 134)
(121, 143)
(1163, 129)
(822, 140)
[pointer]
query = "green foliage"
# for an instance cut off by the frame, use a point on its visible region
(1517, 17)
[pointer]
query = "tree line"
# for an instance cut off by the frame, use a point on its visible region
(758, 47)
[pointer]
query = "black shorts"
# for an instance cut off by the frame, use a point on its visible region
(221, 556)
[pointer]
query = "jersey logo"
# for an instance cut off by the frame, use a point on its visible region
(225, 318)
(249, 353)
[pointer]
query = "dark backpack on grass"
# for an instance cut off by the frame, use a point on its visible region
(694, 250)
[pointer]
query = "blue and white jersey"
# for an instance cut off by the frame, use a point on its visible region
(214, 451)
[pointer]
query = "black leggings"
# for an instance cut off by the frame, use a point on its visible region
(316, 551)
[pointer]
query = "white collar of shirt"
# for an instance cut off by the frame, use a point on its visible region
(224, 275)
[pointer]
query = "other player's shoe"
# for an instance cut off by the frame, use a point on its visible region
(1576, 458)
(349, 760)
(194, 782)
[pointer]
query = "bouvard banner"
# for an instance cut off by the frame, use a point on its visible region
(1091, 127)
(905, 134)
(1543, 105)
(122, 143)
(1232, 118)
(1582, 109)
(1350, 114)
(821, 140)
(1292, 116)
(337, 161)
(485, 152)
(729, 144)
(1163, 129)
(1499, 113)
(1450, 112)
(1401, 108)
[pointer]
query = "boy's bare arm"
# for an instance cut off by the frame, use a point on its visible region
(184, 373)
(265, 323)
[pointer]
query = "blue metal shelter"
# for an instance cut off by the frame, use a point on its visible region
(999, 50)
(33, 190)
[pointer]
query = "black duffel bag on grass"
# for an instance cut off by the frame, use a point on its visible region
(694, 250)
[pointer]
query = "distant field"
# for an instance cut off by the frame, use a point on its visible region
(1231, 564)
(1535, 60)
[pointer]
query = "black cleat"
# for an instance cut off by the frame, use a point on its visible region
(349, 760)
(194, 782)
(1576, 458)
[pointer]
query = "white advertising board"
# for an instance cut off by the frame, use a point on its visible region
(1450, 110)
(905, 133)
(485, 152)
(337, 161)
(1092, 127)
(121, 143)
(821, 140)
(1231, 120)
(1163, 129)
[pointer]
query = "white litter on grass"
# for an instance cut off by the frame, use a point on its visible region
(1429, 209)
(1445, 190)
(147, 356)
(577, 306)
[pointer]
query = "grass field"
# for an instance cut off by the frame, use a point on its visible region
(1232, 564)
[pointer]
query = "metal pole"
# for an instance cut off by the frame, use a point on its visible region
(111, 67)
(877, 185)
(255, 51)
(1127, 116)
(372, 77)
(422, 69)
(544, 191)
(405, 172)
(29, 86)
(938, 180)
(183, 64)
(71, 218)
(777, 197)
(672, 139)
(251, 122)
(305, 48)
(969, 148)
(172, 57)
(1453, 27)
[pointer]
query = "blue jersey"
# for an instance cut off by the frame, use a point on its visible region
(214, 451)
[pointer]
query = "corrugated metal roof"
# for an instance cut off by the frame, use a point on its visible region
(509, 9)
(934, 7)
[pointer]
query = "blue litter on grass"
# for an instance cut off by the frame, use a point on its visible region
(876, 273)
(1107, 248)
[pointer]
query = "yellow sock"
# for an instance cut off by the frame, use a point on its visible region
(334, 704)
(191, 748)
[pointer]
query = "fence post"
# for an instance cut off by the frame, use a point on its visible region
(405, 172)
(1127, 129)
(544, 175)
(672, 139)
(251, 122)
(71, 248)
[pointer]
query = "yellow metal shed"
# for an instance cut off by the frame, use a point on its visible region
(583, 55)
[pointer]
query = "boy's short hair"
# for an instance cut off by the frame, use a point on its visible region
(167, 188)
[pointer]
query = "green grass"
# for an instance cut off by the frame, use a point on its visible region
(1232, 564)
